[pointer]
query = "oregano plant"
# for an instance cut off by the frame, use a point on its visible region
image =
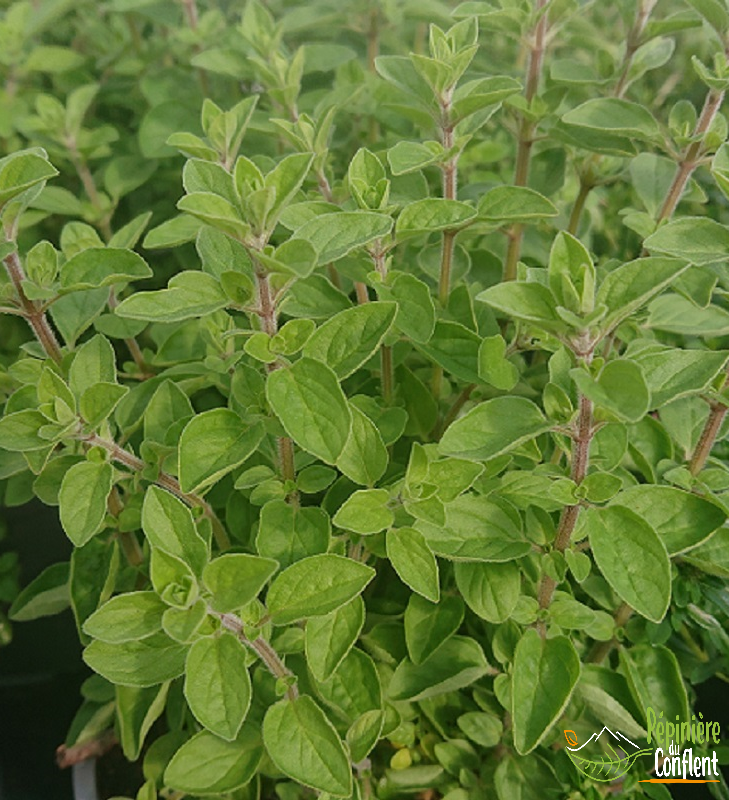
(375, 357)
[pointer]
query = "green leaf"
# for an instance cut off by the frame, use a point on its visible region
(286, 178)
(654, 678)
(414, 561)
(455, 348)
(528, 302)
(137, 710)
(213, 444)
(190, 294)
(415, 309)
(215, 211)
(288, 534)
(407, 157)
(457, 664)
(309, 401)
(699, 240)
(493, 367)
(20, 171)
(364, 733)
(428, 626)
(354, 688)
(207, 765)
(476, 529)
(492, 428)
(632, 558)
(142, 663)
(217, 685)
(82, 500)
(671, 373)
(712, 557)
(571, 274)
(168, 404)
(366, 511)
(19, 431)
(614, 116)
(333, 236)
(304, 745)
(103, 266)
(490, 590)
(329, 638)
(681, 519)
(46, 595)
(538, 663)
(315, 586)
(620, 387)
(433, 214)
(93, 363)
(98, 402)
(364, 457)
(236, 578)
(168, 525)
(482, 728)
(350, 337)
(507, 204)
(126, 618)
(677, 314)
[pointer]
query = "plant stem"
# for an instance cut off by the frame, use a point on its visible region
(87, 179)
(708, 436)
(460, 401)
(131, 343)
(127, 540)
(570, 514)
(165, 481)
(266, 310)
(450, 192)
(633, 42)
(526, 132)
(33, 313)
(692, 155)
(579, 206)
(262, 649)
(686, 166)
(386, 368)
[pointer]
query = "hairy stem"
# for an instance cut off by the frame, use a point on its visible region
(708, 436)
(450, 192)
(580, 462)
(686, 166)
(262, 649)
(632, 44)
(32, 312)
(163, 480)
(526, 132)
(691, 156)
(266, 310)
(386, 367)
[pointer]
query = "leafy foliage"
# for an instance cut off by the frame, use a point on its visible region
(379, 376)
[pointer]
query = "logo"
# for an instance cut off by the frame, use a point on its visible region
(607, 755)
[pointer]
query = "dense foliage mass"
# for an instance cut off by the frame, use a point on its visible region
(394, 454)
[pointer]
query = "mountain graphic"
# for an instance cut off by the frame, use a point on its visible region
(619, 738)
(616, 754)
